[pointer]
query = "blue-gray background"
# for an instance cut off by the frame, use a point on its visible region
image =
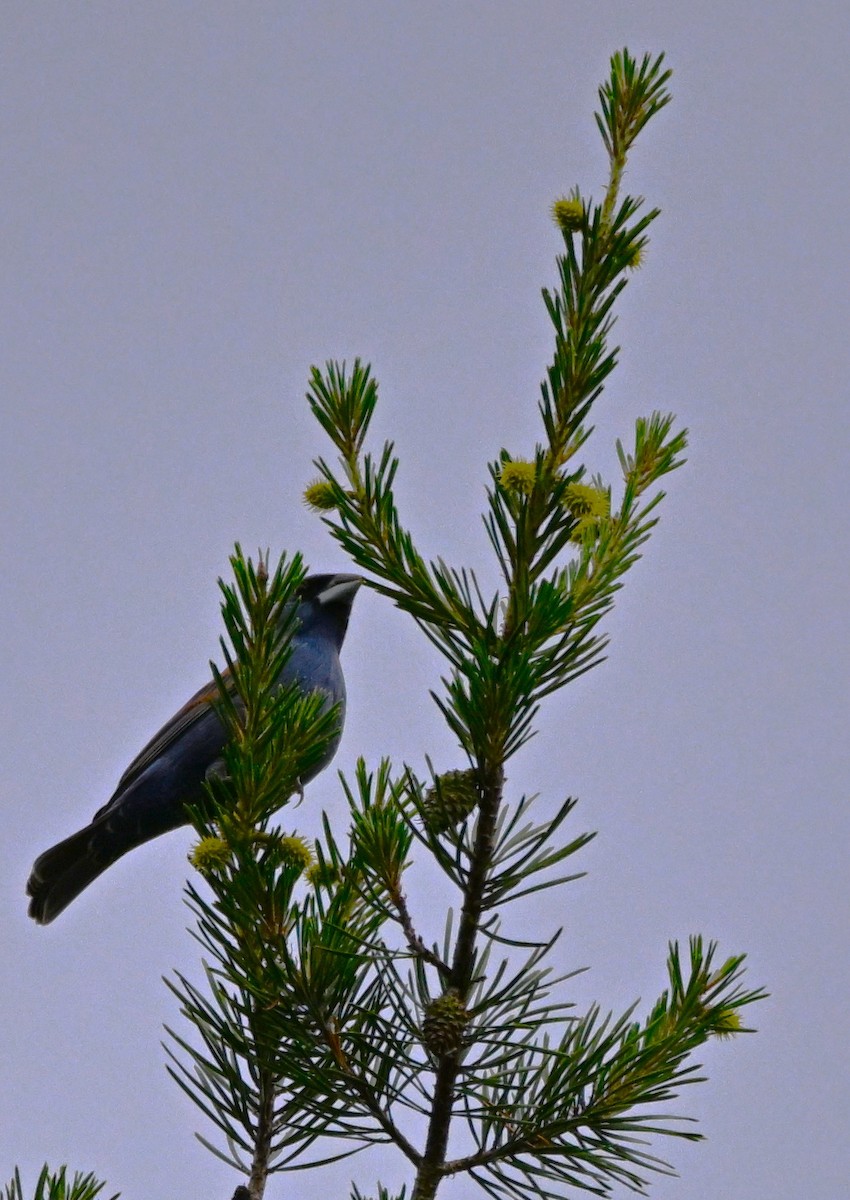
(199, 201)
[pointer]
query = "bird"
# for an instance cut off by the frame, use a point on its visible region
(169, 773)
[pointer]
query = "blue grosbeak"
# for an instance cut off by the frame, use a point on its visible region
(170, 771)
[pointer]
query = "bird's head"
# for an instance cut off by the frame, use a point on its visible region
(324, 601)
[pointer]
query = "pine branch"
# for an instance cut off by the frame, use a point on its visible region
(325, 1018)
(56, 1185)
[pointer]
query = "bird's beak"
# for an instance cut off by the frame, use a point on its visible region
(341, 588)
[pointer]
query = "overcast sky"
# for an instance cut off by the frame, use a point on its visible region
(199, 201)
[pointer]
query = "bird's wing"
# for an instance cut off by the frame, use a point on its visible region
(191, 712)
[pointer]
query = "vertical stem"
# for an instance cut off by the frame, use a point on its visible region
(494, 778)
(263, 1137)
(618, 166)
(429, 1173)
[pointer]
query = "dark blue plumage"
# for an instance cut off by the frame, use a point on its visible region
(169, 772)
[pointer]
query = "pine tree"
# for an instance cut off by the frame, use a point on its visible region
(325, 1023)
(326, 1015)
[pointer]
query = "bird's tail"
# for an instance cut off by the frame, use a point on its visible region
(62, 872)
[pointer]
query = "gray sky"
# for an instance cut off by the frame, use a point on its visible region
(201, 200)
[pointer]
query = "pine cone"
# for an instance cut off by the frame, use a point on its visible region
(450, 801)
(445, 1020)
